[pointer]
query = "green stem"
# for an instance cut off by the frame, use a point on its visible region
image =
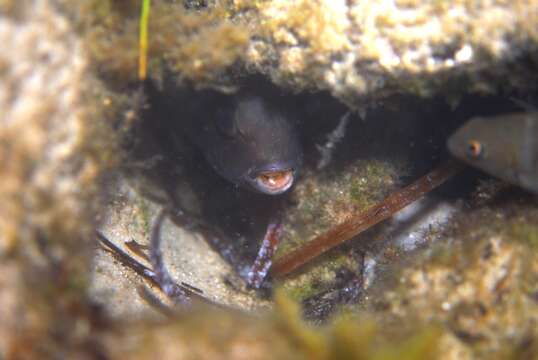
(143, 56)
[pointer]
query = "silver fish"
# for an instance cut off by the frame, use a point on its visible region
(505, 146)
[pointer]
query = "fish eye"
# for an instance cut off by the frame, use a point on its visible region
(474, 149)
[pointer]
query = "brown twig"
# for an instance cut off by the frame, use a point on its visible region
(363, 221)
(141, 269)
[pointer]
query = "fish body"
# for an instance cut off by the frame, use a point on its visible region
(505, 146)
(249, 141)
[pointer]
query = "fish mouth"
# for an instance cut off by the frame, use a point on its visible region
(274, 182)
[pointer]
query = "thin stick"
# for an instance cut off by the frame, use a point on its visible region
(143, 41)
(139, 268)
(127, 260)
(363, 221)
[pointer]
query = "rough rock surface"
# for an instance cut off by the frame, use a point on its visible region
(469, 286)
(366, 49)
(187, 255)
(48, 171)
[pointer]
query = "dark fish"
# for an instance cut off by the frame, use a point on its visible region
(505, 146)
(248, 140)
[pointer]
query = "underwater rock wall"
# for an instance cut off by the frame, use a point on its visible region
(366, 49)
(70, 100)
(48, 170)
(359, 51)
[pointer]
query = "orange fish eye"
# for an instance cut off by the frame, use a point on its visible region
(474, 148)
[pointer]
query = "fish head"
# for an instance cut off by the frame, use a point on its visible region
(470, 143)
(257, 146)
(504, 146)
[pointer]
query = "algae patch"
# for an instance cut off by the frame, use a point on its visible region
(325, 199)
(477, 282)
(188, 45)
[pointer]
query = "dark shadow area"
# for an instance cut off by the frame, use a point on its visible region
(233, 219)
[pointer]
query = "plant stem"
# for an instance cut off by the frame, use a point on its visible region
(143, 41)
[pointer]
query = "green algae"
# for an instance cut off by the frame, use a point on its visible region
(522, 230)
(212, 333)
(195, 45)
(324, 200)
(315, 276)
(353, 337)
(145, 215)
